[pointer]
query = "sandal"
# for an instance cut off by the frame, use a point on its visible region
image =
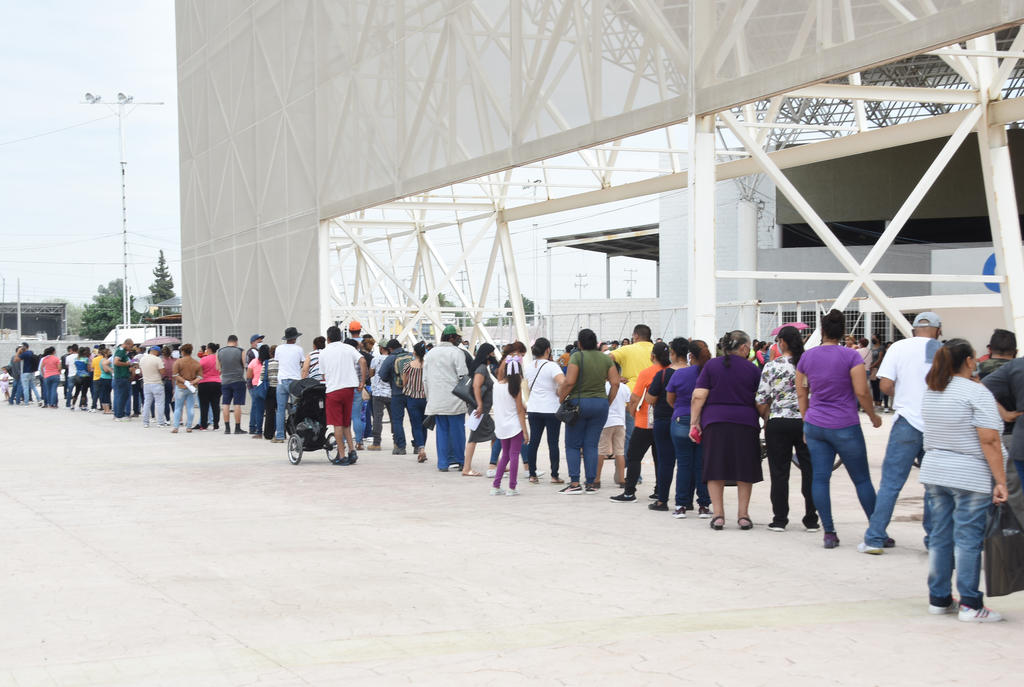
(718, 522)
(421, 458)
(472, 473)
(557, 480)
(745, 523)
(534, 480)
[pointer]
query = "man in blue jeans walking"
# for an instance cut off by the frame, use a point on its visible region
(902, 376)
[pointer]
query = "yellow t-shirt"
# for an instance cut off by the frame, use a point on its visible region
(97, 369)
(633, 359)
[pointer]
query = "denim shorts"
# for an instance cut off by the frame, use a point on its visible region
(233, 392)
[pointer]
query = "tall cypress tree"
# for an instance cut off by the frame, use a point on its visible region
(162, 287)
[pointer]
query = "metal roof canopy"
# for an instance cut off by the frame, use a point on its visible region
(639, 242)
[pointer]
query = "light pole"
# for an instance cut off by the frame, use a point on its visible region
(122, 101)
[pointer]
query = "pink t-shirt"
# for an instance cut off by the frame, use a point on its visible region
(257, 370)
(209, 365)
(50, 365)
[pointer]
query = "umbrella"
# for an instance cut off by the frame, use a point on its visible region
(160, 341)
(797, 325)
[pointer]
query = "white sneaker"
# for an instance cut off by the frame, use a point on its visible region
(864, 547)
(491, 472)
(977, 615)
(953, 607)
(679, 513)
(496, 491)
(512, 492)
(540, 473)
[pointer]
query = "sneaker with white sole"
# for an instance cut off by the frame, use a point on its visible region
(864, 547)
(491, 472)
(953, 607)
(497, 491)
(679, 513)
(977, 615)
(571, 490)
(776, 527)
(512, 492)
(703, 513)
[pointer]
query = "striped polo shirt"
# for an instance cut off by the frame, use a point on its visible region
(953, 456)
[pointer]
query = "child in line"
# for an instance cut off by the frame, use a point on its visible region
(5, 383)
(612, 443)
(509, 420)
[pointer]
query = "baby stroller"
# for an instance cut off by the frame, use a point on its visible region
(305, 421)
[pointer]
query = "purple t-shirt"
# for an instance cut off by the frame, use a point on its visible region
(730, 391)
(681, 384)
(833, 404)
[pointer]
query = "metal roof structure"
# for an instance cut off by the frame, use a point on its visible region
(324, 145)
(632, 242)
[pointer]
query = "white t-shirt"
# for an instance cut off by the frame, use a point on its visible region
(617, 409)
(152, 367)
(338, 365)
(544, 391)
(289, 359)
(506, 416)
(378, 387)
(907, 363)
(69, 362)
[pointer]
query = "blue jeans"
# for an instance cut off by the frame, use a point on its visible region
(17, 393)
(958, 533)
(905, 445)
(69, 389)
(122, 397)
(544, 423)
(183, 400)
(50, 385)
(630, 424)
(689, 466)
(152, 396)
(282, 402)
(582, 438)
(357, 415)
(848, 442)
(417, 409)
(1019, 464)
(398, 406)
(28, 387)
(367, 421)
(258, 404)
(451, 440)
(666, 452)
(168, 399)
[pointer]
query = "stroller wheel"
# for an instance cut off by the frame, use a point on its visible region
(294, 449)
(331, 447)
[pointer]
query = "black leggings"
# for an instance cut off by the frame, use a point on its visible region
(641, 440)
(209, 397)
(270, 413)
(539, 422)
(783, 436)
(82, 385)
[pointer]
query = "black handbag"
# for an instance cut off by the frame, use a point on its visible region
(568, 412)
(429, 421)
(464, 390)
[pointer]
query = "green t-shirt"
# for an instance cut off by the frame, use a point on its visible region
(593, 374)
(121, 372)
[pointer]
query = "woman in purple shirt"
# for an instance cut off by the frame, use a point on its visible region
(834, 377)
(679, 393)
(725, 416)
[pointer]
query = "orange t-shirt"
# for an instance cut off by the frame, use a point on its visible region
(643, 380)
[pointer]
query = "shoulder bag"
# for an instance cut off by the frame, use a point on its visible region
(464, 390)
(568, 412)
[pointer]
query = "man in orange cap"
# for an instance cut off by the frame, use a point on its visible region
(355, 330)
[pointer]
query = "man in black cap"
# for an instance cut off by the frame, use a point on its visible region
(254, 348)
(289, 357)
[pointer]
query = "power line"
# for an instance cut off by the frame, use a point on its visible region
(56, 131)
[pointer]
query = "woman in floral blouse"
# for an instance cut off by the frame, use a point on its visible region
(784, 431)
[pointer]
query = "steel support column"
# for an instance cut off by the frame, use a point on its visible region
(700, 291)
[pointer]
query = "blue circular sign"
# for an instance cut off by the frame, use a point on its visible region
(989, 270)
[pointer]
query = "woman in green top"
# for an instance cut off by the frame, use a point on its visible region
(584, 387)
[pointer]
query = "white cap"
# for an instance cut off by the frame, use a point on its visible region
(927, 319)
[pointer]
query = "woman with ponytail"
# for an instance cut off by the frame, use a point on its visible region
(963, 472)
(784, 430)
(723, 416)
(509, 420)
(679, 393)
(672, 358)
(830, 380)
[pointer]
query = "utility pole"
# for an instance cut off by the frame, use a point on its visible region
(122, 101)
(580, 284)
(630, 281)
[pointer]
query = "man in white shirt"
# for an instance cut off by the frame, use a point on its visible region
(344, 378)
(69, 374)
(152, 367)
(902, 376)
(289, 357)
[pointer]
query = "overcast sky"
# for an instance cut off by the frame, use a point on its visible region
(60, 195)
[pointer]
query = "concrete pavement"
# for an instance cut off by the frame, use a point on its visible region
(133, 556)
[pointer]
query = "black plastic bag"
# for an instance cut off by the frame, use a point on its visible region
(1004, 552)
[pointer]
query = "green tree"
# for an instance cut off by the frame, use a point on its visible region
(162, 287)
(528, 306)
(442, 300)
(100, 316)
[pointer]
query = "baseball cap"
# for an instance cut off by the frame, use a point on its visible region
(154, 348)
(927, 319)
(255, 337)
(354, 326)
(449, 330)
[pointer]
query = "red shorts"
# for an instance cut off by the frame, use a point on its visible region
(339, 407)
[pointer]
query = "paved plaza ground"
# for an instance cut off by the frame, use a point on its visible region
(133, 556)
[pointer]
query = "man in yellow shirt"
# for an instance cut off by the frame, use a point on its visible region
(634, 359)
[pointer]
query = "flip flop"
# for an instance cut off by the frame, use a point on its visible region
(745, 523)
(472, 473)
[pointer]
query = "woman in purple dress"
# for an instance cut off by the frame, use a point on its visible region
(723, 415)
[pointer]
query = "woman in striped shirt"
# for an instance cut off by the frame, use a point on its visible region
(963, 472)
